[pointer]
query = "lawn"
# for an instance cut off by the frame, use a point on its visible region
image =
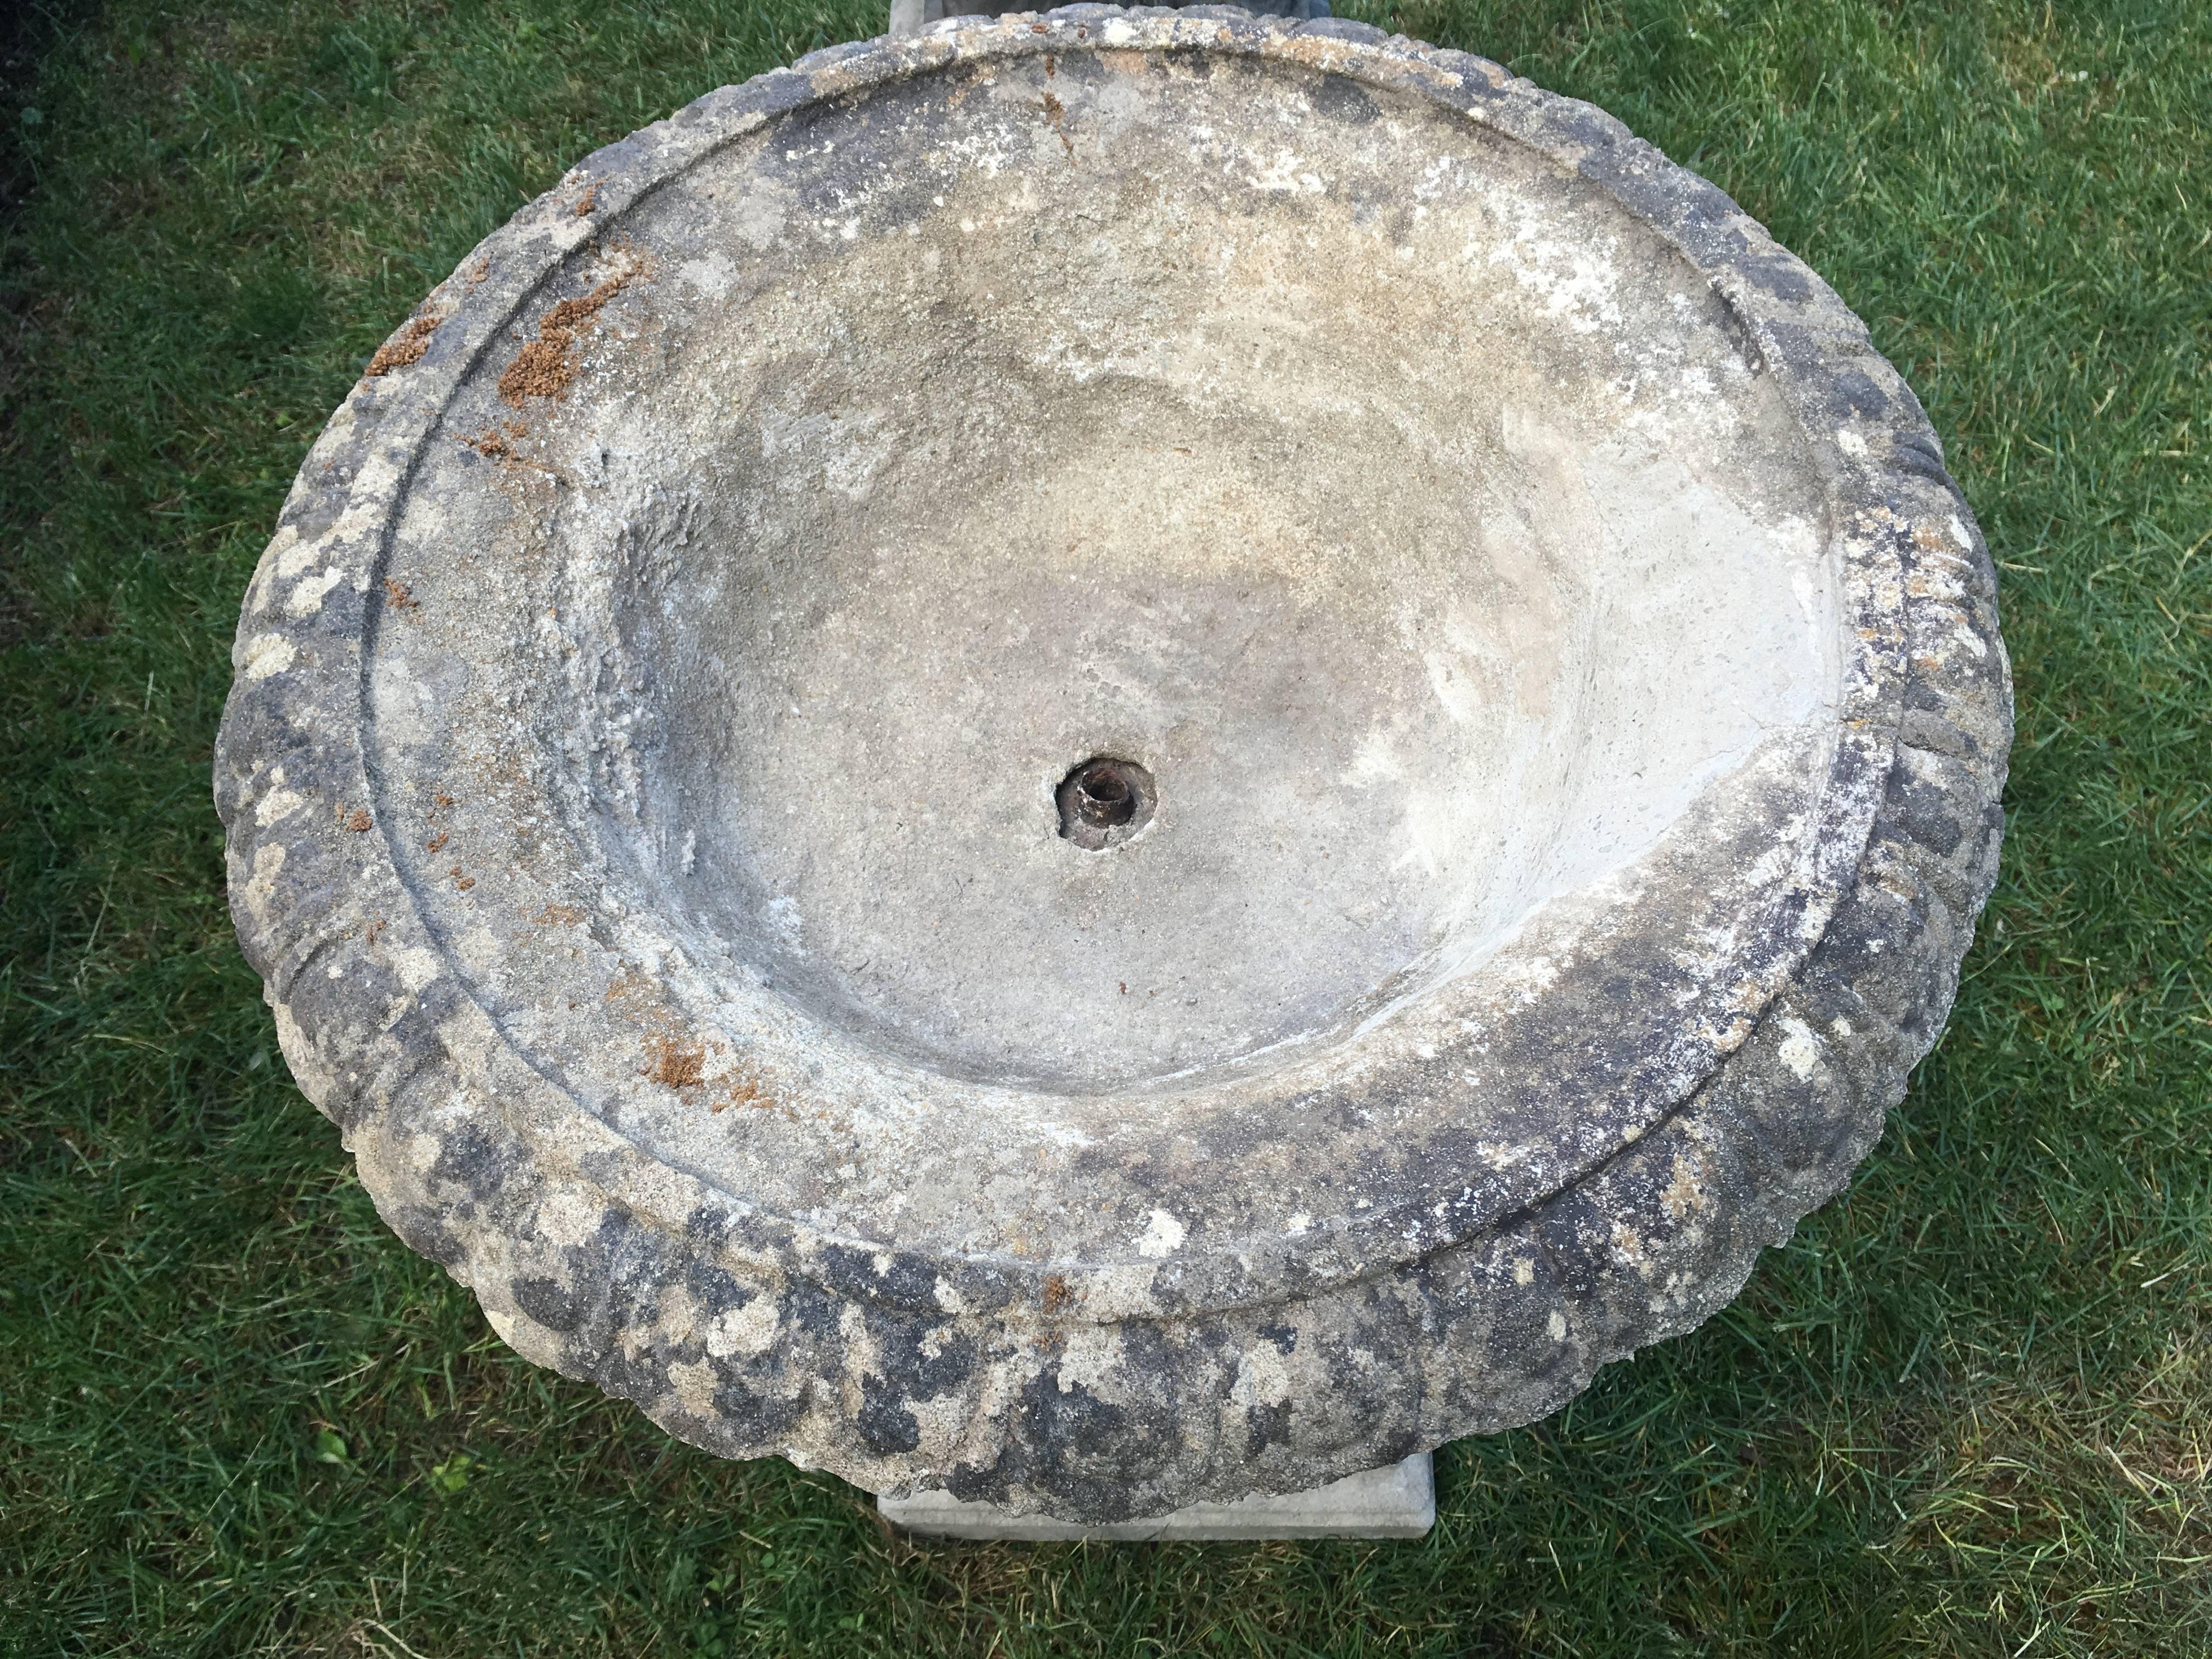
(1967, 1410)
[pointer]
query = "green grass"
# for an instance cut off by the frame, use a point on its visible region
(1968, 1411)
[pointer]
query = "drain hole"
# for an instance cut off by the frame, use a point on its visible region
(1103, 795)
(1104, 801)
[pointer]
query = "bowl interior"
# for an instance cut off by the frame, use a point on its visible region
(1411, 515)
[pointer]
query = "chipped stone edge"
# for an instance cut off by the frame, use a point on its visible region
(590, 1258)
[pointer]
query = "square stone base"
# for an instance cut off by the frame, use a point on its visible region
(1396, 1502)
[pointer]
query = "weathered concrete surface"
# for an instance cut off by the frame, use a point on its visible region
(1571, 685)
(1396, 1502)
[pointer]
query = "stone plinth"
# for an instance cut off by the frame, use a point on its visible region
(1396, 1502)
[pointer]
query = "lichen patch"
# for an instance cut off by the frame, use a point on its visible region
(745, 1092)
(402, 349)
(269, 654)
(675, 1065)
(1163, 1235)
(1799, 1049)
(1685, 1193)
(745, 1331)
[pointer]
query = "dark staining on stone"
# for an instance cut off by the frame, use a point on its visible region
(980, 1288)
(884, 1421)
(905, 1282)
(710, 1286)
(426, 1232)
(643, 1379)
(975, 1485)
(1070, 1440)
(469, 1158)
(1574, 1239)
(1917, 452)
(550, 1303)
(1522, 1337)
(1790, 345)
(1852, 391)
(752, 1418)
(707, 1233)
(1927, 812)
(1396, 1446)
(813, 1310)
(1082, 68)
(1799, 1134)
(632, 1260)
(1265, 1426)
(1780, 276)
(923, 1359)
(1791, 909)
(909, 1282)
(1066, 1420)
(1340, 98)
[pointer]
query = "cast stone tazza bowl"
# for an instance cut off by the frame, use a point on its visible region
(1114, 757)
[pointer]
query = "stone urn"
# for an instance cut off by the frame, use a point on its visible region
(1113, 758)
